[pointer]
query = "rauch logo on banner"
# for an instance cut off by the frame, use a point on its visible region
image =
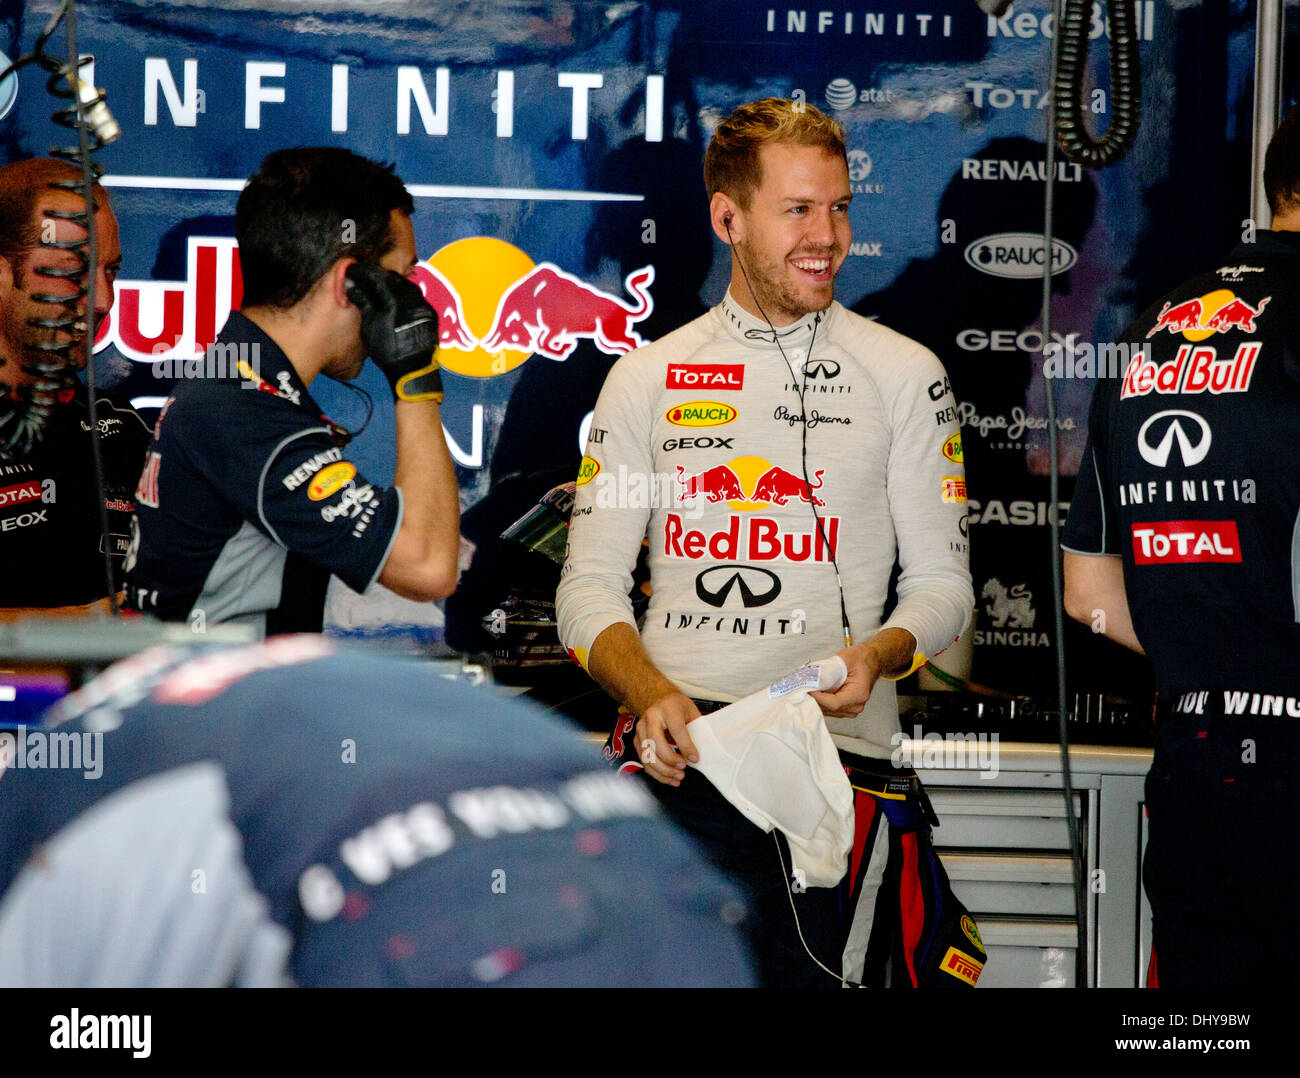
(1018, 254)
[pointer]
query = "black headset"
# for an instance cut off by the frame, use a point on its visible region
(803, 407)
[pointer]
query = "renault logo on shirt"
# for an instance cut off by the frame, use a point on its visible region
(714, 586)
(1175, 432)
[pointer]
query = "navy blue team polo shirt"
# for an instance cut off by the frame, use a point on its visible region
(1190, 477)
(295, 812)
(248, 502)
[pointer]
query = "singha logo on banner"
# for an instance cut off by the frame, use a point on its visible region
(1009, 608)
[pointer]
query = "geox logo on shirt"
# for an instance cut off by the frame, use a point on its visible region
(308, 468)
(23, 520)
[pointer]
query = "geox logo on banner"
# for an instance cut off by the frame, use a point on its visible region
(1018, 255)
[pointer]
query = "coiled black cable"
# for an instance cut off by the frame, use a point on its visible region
(1125, 80)
(63, 333)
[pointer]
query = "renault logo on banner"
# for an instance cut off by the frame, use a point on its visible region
(714, 586)
(1158, 454)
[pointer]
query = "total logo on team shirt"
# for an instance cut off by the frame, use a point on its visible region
(1178, 542)
(705, 376)
(30, 491)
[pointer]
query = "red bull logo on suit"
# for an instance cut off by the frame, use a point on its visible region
(748, 485)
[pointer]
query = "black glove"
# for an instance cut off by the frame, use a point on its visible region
(400, 330)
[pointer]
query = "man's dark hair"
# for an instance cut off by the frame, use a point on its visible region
(1282, 165)
(22, 186)
(306, 208)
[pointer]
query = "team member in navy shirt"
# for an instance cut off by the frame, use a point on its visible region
(52, 537)
(248, 501)
(1184, 542)
(289, 812)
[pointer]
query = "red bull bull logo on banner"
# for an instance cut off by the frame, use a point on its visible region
(496, 307)
(157, 320)
(1202, 317)
(749, 485)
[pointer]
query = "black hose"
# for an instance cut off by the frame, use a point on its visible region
(1125, 79)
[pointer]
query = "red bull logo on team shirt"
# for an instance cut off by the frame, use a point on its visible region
(1192, 370)
(749, 485)
(1215, 312)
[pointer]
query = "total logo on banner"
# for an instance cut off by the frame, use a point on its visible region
(1012, 616)
(749, 485)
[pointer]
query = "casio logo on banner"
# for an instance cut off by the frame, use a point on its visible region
(1176, 542)
(1018, 255)
(1174, 433)
(757, 587)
